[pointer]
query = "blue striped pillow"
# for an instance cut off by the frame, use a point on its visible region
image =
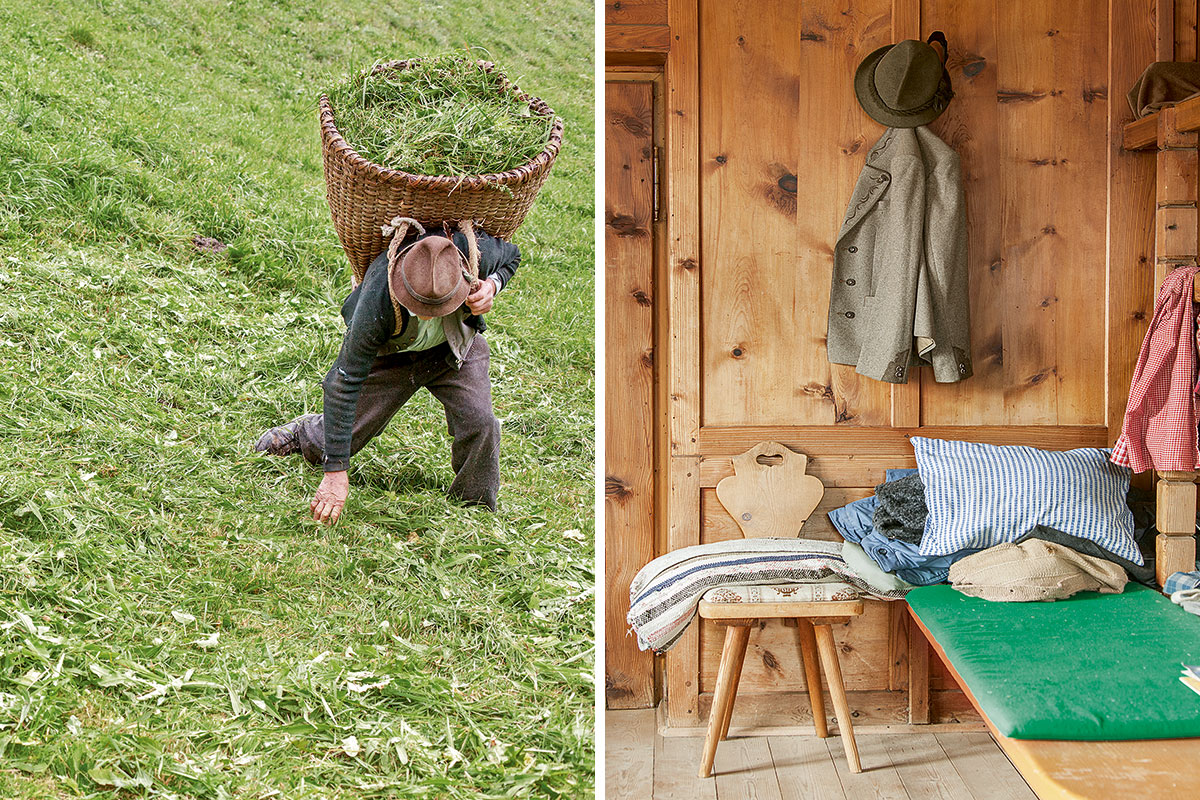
(980, 495)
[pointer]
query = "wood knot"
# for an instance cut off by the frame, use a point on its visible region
(737, 352)
(641, 298)
(626, 226)
(720, 159)
(788, 183)
(616, 489)
(973, 65)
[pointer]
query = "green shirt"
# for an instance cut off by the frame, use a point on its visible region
(429, 333)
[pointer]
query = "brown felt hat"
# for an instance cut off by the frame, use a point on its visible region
(429, 278)
(904, 85)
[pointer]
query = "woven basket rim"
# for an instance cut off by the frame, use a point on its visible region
(335, 140)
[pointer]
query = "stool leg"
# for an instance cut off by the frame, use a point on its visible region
(739, 661)
(732, 653)
(833, 674)
(812, 675)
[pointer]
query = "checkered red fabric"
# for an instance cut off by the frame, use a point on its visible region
(1161, 417)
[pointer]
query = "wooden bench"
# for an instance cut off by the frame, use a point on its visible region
(1158, 769)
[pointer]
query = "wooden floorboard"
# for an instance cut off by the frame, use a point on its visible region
(675, 763)
(743, 768)
(878, 780)
(804, 769)
(629, 758)
(983, 767)
(924, 769)
(643, 764)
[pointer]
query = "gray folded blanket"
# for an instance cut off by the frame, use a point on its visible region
(901, 512)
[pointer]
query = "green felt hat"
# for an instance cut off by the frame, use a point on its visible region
(904, 85)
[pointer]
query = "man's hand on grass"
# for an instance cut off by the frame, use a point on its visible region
(480, 300)
(327, 504)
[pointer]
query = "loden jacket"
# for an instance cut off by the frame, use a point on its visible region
(899, 296)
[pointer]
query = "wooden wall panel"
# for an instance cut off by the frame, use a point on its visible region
(781, 145)
(1059, 249)
(1030, 97)
(635, 12)
(971, 126)
(1185, 30)
(1130, 279)
(682, 276)
(629, 375)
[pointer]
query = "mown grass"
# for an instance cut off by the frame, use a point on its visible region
(171, 625)
(442, 115)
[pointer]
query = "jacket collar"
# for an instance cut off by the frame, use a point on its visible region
(872, 182)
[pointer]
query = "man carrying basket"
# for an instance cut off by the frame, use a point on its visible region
(415, 319)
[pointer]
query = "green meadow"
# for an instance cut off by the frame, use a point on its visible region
(172, 625)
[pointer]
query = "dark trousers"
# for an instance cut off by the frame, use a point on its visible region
(466, 394)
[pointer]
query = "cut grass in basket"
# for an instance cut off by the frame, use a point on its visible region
(441, 116)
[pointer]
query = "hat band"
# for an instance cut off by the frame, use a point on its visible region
(943, 94)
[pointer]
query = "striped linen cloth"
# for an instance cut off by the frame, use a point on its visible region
(665, 593)
(980, 495)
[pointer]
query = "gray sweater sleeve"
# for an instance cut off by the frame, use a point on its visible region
(370, 322)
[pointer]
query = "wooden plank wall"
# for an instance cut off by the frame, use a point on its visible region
(775, 179)
(764, 142)
(629, 374)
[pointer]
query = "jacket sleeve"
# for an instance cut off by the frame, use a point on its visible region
(373, 323)
(941, 326)
(498, 259)
(898, 257)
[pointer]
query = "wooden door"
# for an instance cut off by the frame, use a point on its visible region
(629, 377)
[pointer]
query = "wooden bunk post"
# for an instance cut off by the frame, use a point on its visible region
(1175, 548)
(1175, 245)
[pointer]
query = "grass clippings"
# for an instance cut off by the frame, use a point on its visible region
(443, 115)
(172, 625)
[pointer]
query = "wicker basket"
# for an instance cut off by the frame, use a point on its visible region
(364, 196)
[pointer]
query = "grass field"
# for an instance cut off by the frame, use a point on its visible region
(171, 624)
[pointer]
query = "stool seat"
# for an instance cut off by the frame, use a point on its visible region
(739, 608)
(782, 593)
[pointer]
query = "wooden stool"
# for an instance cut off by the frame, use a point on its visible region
(813, 621)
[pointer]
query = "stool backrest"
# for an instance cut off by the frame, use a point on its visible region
(770, 492)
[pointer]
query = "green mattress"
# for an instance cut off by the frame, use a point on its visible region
(1094, 667)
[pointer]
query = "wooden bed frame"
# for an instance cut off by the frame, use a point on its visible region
(1159, 769)
(1172, 134)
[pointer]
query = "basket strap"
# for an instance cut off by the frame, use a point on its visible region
(398, 230)
(468, 230)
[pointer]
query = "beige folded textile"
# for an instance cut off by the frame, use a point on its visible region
(1164, 83)
(1034, 570)
(818, 591)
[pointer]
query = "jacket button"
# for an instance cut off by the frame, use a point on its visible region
(849, 315)
(850, 281)
(851, 249)
(899, 372)
(962, 368)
